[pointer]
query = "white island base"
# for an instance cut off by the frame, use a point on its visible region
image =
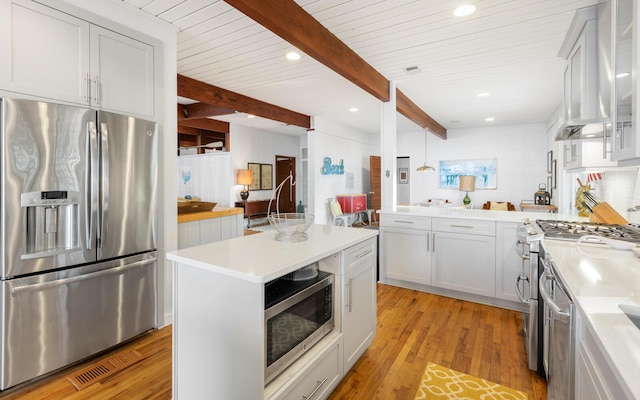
(218, 330)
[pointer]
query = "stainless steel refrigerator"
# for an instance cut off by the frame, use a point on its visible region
(78, 234)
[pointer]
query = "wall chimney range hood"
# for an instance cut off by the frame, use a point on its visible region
(586, 107)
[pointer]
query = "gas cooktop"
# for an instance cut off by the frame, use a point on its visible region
(567, 230)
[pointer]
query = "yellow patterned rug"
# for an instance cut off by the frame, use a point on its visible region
(444, 383)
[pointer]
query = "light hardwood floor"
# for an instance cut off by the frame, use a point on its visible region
(413, 329)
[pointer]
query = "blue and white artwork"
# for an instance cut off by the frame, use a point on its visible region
(185, 177)
(485, 171)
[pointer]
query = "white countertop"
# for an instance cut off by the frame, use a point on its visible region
(260, 258)
(598, 279)
(500, 216)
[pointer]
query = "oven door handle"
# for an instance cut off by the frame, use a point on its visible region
(521, 252)
(547, 298)
(518, 292)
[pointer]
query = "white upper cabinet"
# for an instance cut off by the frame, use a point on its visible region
(624, 141)
(45, 52)
(122, 73)
(57, 56)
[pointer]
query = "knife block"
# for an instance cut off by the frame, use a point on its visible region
(604, 213)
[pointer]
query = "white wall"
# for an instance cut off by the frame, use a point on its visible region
(520, 151)
(329, 139)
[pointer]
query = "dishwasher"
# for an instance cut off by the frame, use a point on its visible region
(558, 334)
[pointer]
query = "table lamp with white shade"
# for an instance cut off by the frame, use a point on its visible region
(244, 177)
(467, 184)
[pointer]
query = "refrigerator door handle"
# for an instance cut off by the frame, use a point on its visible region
(92, 275)
(105, 181)
(91, 185)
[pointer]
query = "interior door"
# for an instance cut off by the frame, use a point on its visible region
(375, 177)
(286, 166)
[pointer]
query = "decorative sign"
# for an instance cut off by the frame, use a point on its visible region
(331, 169)
(485, 172)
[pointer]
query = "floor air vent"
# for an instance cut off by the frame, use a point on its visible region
(104, 368)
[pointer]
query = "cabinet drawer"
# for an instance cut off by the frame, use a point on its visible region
(358, 253)
(405, 221)
(319, 381)
(471, 226)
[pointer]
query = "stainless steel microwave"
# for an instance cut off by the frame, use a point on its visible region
(298, 313)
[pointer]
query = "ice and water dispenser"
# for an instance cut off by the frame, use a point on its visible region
(52, 222)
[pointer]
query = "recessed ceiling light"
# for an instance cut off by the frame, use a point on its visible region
(622, 75)
(250, 116)
(490, 119)
(483, 94)
(353, 109)
(293, 56)
(464, 10)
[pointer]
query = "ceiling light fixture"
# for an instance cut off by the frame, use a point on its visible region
(293, 56)
(483, 94)
(353, 109)
(490, 119)
(250, 116)
(424, 167)
(464, 10)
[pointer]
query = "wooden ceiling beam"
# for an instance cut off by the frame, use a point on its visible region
(292, 23)
(409, 109)
(206, 124)
(216, 96)
(201, 110)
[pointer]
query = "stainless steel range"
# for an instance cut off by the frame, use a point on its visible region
(566, 230)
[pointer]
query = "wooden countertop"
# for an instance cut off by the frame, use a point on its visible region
(217, 212)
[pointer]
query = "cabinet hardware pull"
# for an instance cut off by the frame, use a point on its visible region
(349, 297)
(428, 244)
(433, 242)
(461, 226)
(98, 94)
(318, 386)
(364, 253)
(403, 222)
(520, 252)
(87, 94)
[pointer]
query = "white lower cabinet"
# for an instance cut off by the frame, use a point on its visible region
(209, 230)
(594, 378)
(464, 262)
(405, 248)
(320, 380)
(359, 300)
(508, 262)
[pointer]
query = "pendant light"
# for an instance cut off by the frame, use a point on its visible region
(424, 167)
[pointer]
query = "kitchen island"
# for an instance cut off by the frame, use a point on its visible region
(219, 333)
(607, 342)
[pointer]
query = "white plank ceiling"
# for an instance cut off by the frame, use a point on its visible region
(507, 48)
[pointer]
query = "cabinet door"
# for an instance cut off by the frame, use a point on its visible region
(44, 52)
(404, 255)
(464, 262)
(508, 262)
(121, 73)
(359, 311)
(188, 234)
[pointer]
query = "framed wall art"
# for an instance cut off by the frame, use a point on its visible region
(266, 176)
(255, 176)
(403, 175)
(485, 171)
(549, 160)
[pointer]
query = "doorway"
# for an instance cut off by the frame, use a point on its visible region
(285, 166)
